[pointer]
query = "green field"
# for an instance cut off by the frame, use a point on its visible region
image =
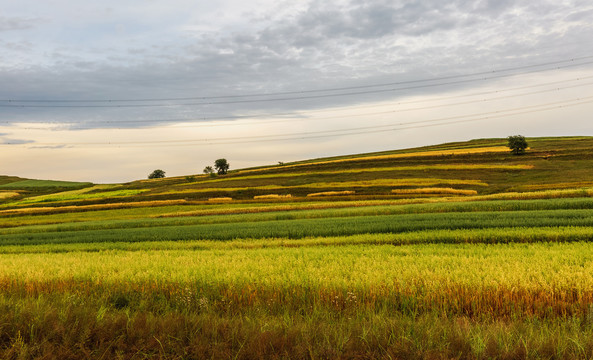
(453, 251)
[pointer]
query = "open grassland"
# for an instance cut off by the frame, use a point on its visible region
(454, 251)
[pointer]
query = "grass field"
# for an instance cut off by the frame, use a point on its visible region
(456, 251)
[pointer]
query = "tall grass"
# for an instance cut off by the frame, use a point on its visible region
(520, 280)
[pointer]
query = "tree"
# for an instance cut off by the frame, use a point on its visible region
(208, 170)
(517, 144)
(157, 174)
(222, 166)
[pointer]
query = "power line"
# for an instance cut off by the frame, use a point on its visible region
(396, 128)
(343, 132)
(351, 93)
(392, 111)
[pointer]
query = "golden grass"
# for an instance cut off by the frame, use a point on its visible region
(443, 191)
(220, 199)
(396, 182)
(331, 193)
(73, 208)
(8, 194)
(547, 194)
(271, 196)
(557, 186)
(489, 149)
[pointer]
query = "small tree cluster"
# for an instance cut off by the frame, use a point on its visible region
(221, 166)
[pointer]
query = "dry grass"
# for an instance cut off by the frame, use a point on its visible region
(8, 194)
(331, 193)
(271, 196)
(547, 194)
(556, 186)
(216, 199)
(439, 191)
(73, 208)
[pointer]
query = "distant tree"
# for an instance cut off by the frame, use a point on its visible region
(157, 174)
(208, 170)
(222, 166)
(517, 144)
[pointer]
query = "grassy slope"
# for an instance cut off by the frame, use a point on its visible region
(551, 163)
(152, 269)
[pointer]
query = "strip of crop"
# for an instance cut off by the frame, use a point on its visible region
(438, 191)
(373, 169)
(8, 194)
(528, 235)
(341, 185)
(72, 197)
(301, 210)
(254, 213)
(302, 228)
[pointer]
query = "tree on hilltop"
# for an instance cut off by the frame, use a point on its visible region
(157, 174)
(517, 144)
(222, 166)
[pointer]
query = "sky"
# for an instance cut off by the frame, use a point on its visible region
(107, 91)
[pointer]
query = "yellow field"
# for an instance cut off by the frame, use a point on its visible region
(8, 194)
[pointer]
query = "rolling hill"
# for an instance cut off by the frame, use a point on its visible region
(457, 250)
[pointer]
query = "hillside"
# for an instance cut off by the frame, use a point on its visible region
(452, 251)
(474, 168)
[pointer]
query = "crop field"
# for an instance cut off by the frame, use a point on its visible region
(457, 251)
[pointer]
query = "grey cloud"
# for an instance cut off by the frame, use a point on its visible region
(325, 46)
(16, 23)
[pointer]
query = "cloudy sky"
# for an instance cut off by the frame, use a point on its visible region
(107, 91)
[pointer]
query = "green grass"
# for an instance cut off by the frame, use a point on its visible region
(26, 184)
(184, 229)
(150, 269)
